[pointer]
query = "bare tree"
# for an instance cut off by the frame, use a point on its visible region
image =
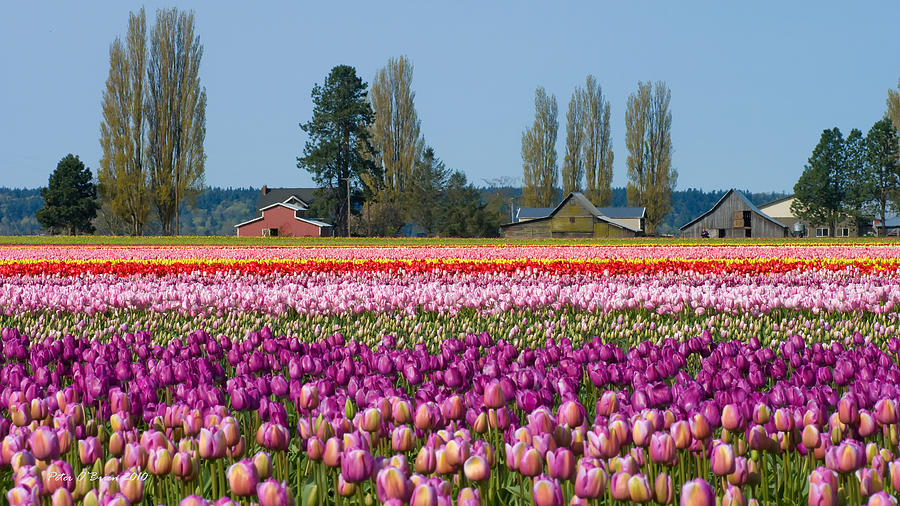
(596, 145)
(176, 115)
(396, 129)
(539, 152)
(651, 177)
(122, 173)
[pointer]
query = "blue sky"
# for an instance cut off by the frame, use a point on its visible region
(753, 84)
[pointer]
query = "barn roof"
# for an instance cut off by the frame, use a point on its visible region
(530, 213)
(276, 195)
(585, 204)
(725, 197)
(623, 212)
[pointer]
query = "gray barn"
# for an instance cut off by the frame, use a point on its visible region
(734, 216)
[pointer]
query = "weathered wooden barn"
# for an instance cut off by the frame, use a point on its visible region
(282, 212)
(631, 216)
(574, 217)
(734, 216)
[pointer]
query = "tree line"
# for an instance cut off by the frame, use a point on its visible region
(852, 178)
(588, 161)
(216, 210)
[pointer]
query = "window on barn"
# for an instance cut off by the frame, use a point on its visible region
(721, 232)
(821, 232)
(270, 232)
(844, 232)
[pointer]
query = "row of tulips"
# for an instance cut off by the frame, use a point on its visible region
(439, 292)
(426, 252)
(523, 327)
(477, 420)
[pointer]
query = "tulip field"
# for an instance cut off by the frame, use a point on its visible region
(442, 374)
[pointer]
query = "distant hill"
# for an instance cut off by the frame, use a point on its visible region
(217, 210)
(17, 208)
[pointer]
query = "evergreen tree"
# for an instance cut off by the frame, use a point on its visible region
(820, 191)
(463, 211)
(429, 178)
(339, 152)
(70, 198)
(882, 177)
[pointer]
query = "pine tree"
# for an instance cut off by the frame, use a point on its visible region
(70, 198)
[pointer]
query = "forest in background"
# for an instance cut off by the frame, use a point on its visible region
(217, 210)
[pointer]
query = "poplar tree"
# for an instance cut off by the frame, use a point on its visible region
(539, 152)
(396, 132)
(648, 137)
(176, 115)
(122, 173)
(573, 163)
(597, 154)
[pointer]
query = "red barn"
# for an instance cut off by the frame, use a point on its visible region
(282, 213)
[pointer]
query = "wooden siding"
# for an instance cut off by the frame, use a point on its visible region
(530, 229)
(723, 218)
(571, 221)
(282, 219)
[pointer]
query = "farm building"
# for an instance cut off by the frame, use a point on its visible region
(734, 216)
(781, 210)
(631, 216)
(574, 217)
(281, 212)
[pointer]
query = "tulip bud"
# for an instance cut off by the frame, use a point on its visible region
(424, 494)
(357, 465)
(700, 428)
(44, 443)
(344, 488)
(62, 497)
(722, 459)
(272, 493)
(391, 483)
(547, 492)
(242, 478)
(881, 499)
(309, 398)
(263, 464)
(662, 448)
(371, 420)
(848, 409)
(664, 489)
(697, 493)
(590, 479)
(476, 469)
(131, 486)
(618, 486)
(531, 463)
(639, 489)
